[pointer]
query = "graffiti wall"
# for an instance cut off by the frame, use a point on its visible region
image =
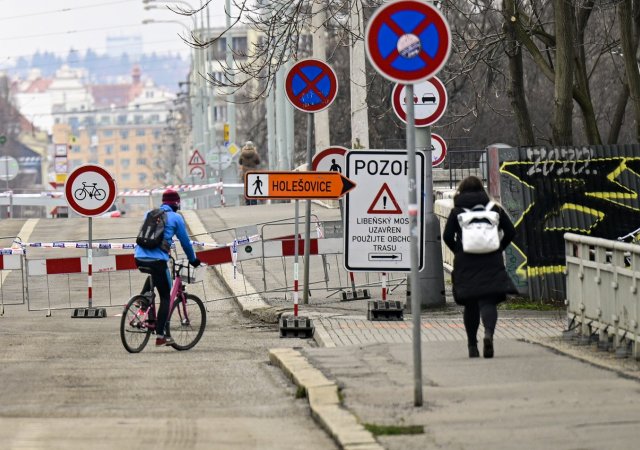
(551, 191)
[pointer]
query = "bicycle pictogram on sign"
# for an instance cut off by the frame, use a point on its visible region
(408, 41)
(92, 191)
(311, 85)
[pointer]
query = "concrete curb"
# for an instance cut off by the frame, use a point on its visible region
(324, 401)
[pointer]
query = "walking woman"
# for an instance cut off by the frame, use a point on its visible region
(480, 281)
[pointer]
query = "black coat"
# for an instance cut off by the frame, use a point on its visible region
(478, 276)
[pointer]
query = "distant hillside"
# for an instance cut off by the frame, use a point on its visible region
(166, 70)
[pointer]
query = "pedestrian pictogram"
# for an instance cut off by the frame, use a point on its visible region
(408, 41)
(384, 202)
(311, 85)
(429, 101)
(296, 185)
(90, 190)
(196, 159)
(329, 160)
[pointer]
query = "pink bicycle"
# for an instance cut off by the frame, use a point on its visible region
(186, 319)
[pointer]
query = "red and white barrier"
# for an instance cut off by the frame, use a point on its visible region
(112, 263)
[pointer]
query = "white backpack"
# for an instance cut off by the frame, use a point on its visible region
(480, 229)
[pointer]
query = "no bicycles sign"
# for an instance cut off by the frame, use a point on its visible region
(90, 190)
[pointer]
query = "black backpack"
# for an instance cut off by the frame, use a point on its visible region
(151, 234)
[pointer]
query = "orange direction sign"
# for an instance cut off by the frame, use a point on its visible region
(296, 185)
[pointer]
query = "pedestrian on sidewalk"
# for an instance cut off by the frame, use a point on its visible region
(480, 280)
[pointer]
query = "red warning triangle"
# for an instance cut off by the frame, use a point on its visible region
(196, 159)
(384, 203)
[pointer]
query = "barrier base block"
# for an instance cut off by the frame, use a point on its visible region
(296, 327)
(358, 294)
(89, 313)
(385, 310)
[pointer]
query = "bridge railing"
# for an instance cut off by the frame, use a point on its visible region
(603, 304)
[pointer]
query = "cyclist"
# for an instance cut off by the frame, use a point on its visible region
(156, 260)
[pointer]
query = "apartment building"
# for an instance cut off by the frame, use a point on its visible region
(120, 129)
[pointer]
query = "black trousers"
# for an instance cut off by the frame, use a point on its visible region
(473, 311)
(162, 281)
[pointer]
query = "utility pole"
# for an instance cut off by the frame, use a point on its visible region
(358, 76)
(321, 118)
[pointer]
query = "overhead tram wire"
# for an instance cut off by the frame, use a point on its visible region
(64, 10)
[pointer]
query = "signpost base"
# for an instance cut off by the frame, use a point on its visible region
(357, 294)
(385, 310)
(89, 313)
(296, 327)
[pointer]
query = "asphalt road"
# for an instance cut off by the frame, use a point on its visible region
(69, 384)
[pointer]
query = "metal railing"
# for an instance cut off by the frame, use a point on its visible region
(603, 304)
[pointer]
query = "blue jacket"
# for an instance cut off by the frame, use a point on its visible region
(175, 226)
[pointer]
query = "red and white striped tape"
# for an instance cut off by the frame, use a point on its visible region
(214, 256)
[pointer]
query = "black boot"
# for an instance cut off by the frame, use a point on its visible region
(487, 351)
(473, 351)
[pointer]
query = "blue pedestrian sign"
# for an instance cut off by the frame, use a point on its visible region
(311, 85)
(408, 41)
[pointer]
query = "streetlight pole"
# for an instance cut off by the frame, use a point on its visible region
(197, 125)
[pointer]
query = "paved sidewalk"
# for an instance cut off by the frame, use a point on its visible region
(538, 392)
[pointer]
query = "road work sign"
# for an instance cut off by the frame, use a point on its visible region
(296, 185)
(377, 235)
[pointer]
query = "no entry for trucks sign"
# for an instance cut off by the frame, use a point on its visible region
(377, 233)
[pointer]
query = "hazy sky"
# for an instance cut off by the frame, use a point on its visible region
(27, 26)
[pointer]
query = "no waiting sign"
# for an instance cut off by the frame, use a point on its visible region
(377, 233)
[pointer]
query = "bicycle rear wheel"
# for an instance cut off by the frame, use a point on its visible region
(187, 322)
(134, 332)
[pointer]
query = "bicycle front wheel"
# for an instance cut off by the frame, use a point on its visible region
(134, 332)
(187, 322)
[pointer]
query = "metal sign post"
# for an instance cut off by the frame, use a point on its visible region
(311, 86)
(409, 41)
(90, 191)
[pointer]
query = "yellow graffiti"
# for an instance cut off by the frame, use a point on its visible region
(627, 194)
(544, 270)
(579, 208)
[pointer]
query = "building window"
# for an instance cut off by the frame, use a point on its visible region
(141, 161)
(155, 118)
(76, 149)
(156, 147)
(142, 177)
(137, 119)
(108, 149)
(140, 132)
(156, 134)
(124, 148)
(239, 45)
(108, 162)
(107, 133)
(126, 176)
(141, 148)
(122, 119)
(124, 163)
(105, 120)
(93, 161)
(148, 94)
(124, 134)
